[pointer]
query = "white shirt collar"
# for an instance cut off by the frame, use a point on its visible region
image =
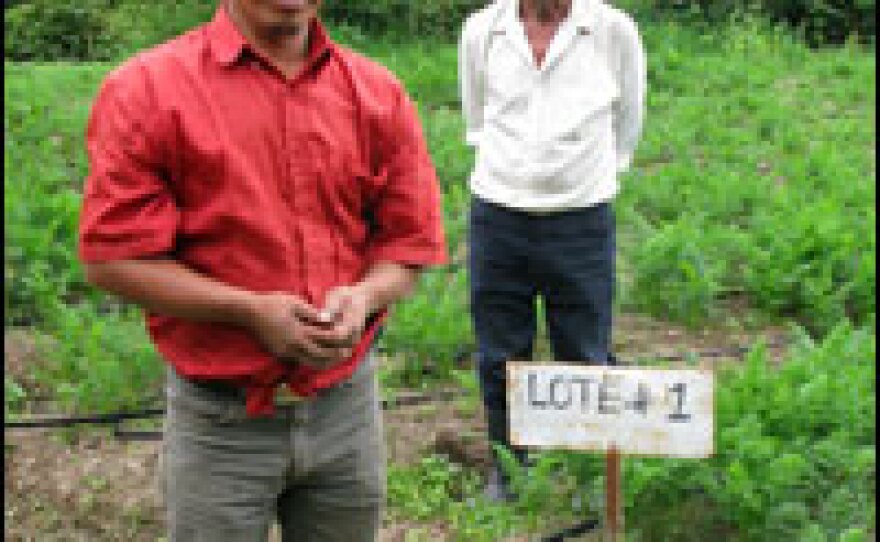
(579, 22)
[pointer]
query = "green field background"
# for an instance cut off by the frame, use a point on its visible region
(751, 203)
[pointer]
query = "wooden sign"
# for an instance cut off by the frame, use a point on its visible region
(637, 411)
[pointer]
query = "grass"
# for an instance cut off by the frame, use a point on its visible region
(753, 187)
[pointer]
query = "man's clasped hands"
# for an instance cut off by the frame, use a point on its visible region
(296, 331)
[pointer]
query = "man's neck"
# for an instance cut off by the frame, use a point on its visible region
(550, 12)
(287, 51)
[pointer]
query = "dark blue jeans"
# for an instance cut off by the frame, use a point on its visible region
(567, 258)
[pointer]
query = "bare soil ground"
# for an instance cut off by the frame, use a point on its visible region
(94, 488)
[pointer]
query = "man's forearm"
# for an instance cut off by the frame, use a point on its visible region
(167, 287)
(386, 283)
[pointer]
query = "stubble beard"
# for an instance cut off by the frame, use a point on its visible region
(278, 32)
(284, 31)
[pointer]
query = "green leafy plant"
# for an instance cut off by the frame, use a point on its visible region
(401, 18)
(820, 21)
(50, 30)
(14, 395)
(817, 262)
(794, 452)
(681, 270)
(755, 179)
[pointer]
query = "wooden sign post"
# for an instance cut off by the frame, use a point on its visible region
(613, 508)
(635, 411)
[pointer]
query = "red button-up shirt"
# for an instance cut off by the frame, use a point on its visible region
(201, 151)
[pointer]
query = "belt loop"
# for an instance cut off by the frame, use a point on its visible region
(229, 413)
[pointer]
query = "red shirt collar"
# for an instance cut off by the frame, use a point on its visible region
(228, 43)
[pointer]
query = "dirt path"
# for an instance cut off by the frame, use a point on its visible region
(98, 488)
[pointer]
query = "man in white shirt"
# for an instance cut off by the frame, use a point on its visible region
(553, 96)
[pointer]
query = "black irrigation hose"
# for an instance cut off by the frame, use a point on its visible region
(405, 399)
(580, 529)
(44, 422)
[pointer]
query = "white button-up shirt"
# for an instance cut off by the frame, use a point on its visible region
(555, 136)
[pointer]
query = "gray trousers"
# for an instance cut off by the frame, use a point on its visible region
(317, 467)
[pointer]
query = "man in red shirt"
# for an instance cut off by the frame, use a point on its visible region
(265, 195)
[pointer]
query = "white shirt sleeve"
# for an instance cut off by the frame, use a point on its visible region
(632, 77)
(471, 81)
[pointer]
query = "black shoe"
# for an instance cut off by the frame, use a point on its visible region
(497, 488)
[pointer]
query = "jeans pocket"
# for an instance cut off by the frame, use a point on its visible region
(191, 402)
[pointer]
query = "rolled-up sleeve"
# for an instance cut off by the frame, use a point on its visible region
(128, 209)
(470, 81)
(632, 75)
(406, 213)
